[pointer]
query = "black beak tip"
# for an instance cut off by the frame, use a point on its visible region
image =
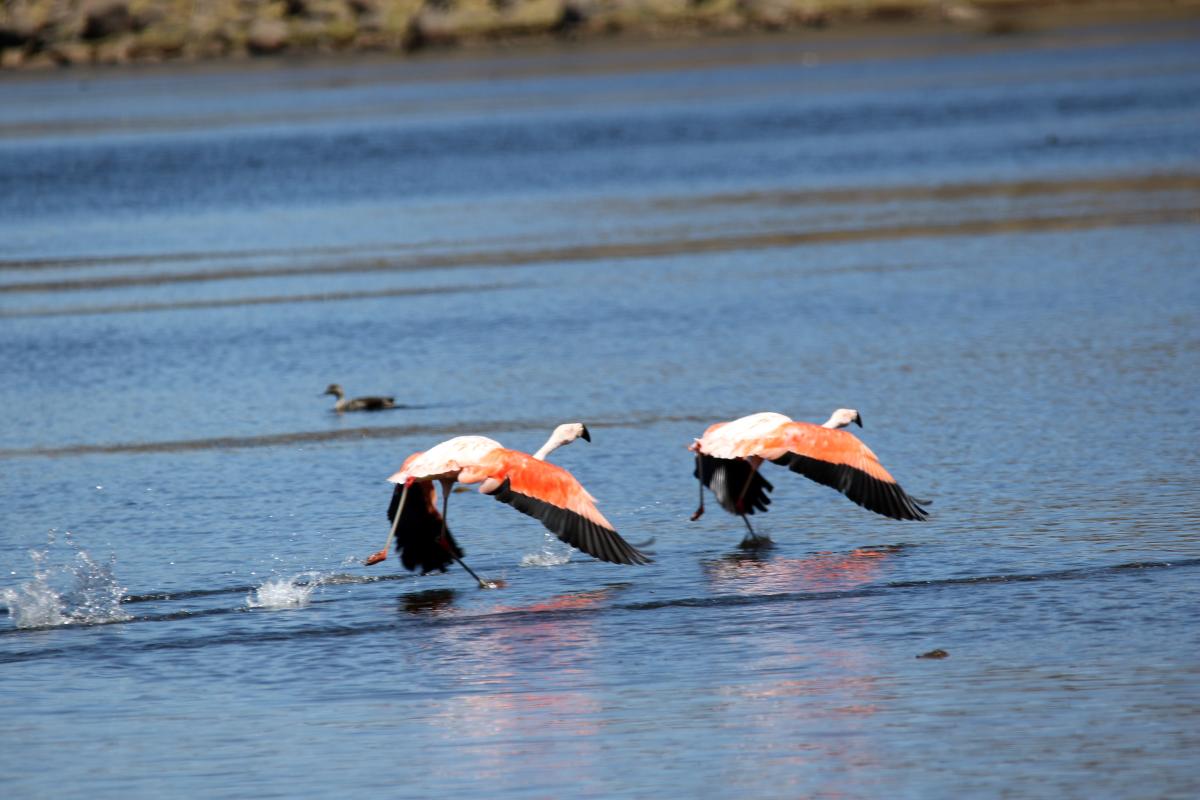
(858, 419)
(587, 437)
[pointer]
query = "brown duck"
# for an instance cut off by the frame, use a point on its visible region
(358, 403)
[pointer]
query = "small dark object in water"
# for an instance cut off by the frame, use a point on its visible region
(358, 403)
(939, 653)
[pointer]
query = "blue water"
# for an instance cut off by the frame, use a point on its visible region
(986, 246)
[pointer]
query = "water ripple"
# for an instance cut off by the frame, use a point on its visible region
(570, 607)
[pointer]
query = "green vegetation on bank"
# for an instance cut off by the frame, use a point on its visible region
(42, 33)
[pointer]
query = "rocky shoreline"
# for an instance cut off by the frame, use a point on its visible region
(53, 33)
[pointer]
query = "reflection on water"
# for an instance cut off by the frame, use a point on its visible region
(814, 726)
(754, 573)
(524, 678)
(430, 601)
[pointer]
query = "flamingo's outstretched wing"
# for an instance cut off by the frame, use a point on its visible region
(418, 540)
(726, 477)
(838, 459)
(551, 494)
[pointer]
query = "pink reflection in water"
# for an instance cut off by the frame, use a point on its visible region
(750, 574)
(527, 686)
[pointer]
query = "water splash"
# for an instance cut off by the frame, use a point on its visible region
(35, 603)
(293, 592)
(82, 592)
(552, 554)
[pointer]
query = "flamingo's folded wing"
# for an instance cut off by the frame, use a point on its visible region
(726, 477)
(552, 495)
(838, 459)
(418, 535)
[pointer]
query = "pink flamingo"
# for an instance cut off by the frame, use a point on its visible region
(729, 454)
(528, 483)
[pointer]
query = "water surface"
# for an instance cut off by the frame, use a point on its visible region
(987, 246)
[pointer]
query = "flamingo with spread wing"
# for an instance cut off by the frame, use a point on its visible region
(526, 482)
(729, 454)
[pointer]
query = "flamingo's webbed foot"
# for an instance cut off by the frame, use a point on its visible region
(699, 513)
(375, 558)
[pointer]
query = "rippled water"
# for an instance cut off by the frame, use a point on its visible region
(987, 246)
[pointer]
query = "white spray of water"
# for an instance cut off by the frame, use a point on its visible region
(552, 554)
(293, 592)
(84, 591)
(35, 603)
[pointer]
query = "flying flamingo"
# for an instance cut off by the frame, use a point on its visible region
(729, 454)
(422, 540)
(526, 482)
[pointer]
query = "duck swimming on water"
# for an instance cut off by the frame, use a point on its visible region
(358, 403)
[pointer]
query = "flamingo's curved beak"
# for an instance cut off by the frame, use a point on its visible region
(587, 437)
(858, 420)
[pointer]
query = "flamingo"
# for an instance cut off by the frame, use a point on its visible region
(729, 454)
(421, 540)
(358, 403)
(528, 483)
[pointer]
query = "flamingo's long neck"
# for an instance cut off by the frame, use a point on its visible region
(552, 444)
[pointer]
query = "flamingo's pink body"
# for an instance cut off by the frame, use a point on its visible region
(730, 453)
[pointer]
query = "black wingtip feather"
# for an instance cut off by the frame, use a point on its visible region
(882, 497)
(574, 529)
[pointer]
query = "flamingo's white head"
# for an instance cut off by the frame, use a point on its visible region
(563, 434)
(570, 431)
(843, 417)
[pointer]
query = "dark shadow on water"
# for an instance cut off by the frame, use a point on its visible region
(1095, 204)
(430, 602)
(1077, 220)
(396, 407)
(191, 305)
(341, 434)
